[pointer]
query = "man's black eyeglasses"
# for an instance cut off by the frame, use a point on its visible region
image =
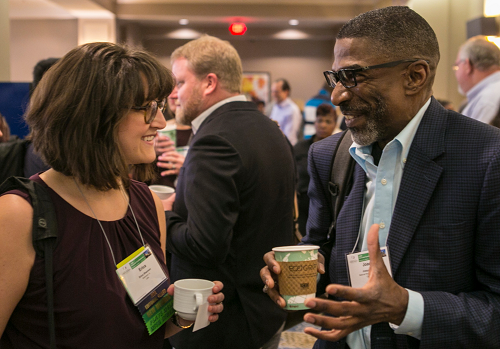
(348, 76)
(151, 109)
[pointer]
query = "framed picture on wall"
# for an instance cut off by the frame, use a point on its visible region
(257, 85)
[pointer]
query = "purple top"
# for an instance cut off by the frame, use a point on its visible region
(92, 309)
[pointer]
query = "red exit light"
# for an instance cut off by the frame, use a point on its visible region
(237, 28)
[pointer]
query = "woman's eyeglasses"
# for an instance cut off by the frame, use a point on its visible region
(151, 110)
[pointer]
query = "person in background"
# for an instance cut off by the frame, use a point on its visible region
(170, 154)
(234, 197)
(446, 104)
(477, 69)
(89, 139)
(323, 96)
(261, 105)
(39, 71)
(4, 130)
(325, 125)
(425, 187)
(33, 163)
(285, 112)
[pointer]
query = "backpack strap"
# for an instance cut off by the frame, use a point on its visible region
(44, 234)
(342, 169)
(341, 172)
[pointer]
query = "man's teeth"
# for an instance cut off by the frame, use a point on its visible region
(148, 138)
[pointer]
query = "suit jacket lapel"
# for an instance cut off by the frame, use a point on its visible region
(420, 177)
(348, 224)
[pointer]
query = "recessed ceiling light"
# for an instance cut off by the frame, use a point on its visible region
(491, 8)
(184, 21)
(291, 34)
(293, 22)
(183, 33)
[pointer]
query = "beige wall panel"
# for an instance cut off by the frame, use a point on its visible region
(4, 41)
(34, 40)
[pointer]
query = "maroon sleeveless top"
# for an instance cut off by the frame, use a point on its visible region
(92, 309)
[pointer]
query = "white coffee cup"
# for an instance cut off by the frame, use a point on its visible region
(162, 191)
(189, 294)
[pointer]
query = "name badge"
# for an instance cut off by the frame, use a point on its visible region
(358, 265)
(146, 284)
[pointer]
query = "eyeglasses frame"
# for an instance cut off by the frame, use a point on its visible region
(331, 75)
(152, 107)
(456, 66)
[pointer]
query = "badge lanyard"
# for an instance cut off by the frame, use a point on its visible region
(358, 264)
(143, 278)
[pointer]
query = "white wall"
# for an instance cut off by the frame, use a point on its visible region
(34, 40)
(4, 42)
(448, 18)
(300, 62)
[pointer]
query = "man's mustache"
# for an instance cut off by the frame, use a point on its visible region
(346, 108)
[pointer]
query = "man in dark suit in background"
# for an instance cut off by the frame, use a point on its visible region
(426, 184)
(234, 198)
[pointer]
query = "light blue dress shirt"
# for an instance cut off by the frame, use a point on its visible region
(287, 114)
(483, 100)
(382, 187)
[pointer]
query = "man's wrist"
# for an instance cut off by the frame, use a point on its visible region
(414, 317)
(400, 316)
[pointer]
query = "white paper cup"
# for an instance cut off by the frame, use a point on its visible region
(162, 191)
(189, 294)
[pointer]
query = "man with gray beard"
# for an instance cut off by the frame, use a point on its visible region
(413, 258)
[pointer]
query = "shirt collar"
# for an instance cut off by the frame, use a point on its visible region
(196, 123)
(284, 102)
(477, 88)
(405, 138)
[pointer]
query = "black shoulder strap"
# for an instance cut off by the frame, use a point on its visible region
(342, 169)
(341, 172)
(44, 234)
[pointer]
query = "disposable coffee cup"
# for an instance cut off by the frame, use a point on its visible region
(182, 150)
(189, 295)
(299, 270)
(171, 132)
(162, 191)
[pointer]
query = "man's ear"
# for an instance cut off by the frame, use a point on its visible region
(417, 77)
(211, 82)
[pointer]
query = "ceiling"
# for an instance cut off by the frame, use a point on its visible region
(265, 19)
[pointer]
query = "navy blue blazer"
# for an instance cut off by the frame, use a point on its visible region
(444, 239)
(234, 203)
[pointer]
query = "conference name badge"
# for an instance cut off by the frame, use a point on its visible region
(358, 265)
(146, 284)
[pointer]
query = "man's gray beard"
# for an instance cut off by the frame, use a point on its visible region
(376, 125)
(369, 135)
(460, 90)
